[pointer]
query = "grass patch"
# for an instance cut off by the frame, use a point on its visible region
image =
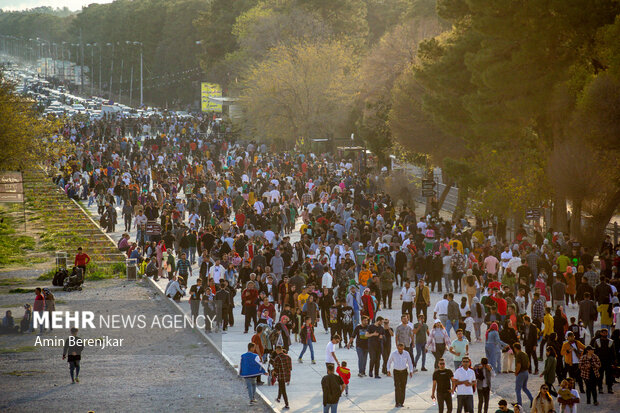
(96, 273)
(47, 276)
(22, 349)
(21, 291)
(13, 248)
(11, 281)
(118, 268)
(59, 240)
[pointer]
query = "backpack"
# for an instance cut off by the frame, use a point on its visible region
(59, 277)
(275, 338)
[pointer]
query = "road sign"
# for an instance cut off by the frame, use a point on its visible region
(11, 187)
(428, 192)
(428, 184)
(533, 213)
(153, 228)
(6, 197)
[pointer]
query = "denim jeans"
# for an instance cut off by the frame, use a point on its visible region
(521, 383)
(420, 351)
(192, 254)
(454, 324)
(362, 356)
(356, 317)
(303, 350)
(333, 408)
(250, 382)
(74, 366)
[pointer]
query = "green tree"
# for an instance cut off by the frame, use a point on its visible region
(302, 91)
(23, 136)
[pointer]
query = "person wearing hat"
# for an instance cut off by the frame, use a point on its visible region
(589, 366)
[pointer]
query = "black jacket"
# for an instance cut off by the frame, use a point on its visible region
(530, 336)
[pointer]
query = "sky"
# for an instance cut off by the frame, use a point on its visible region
(28, 4)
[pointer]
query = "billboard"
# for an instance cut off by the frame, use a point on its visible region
(210, 90)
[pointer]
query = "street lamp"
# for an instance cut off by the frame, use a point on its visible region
(141, 73)
(92, 67)
(111, 68)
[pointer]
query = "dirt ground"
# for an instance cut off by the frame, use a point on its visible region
(157, 370)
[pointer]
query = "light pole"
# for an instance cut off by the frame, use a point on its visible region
(111, 68)
(92, 67)
(62, 52)
(141, 73)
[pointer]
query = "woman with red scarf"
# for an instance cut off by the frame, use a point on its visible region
(493, 347)
(368, 305)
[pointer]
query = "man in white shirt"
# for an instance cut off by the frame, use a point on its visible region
(464, 381)
(407, 294)
(506, 257)
(441, 310)
(400, 362)
(217, 271)
(330, 351)
(259, 206)
(327, 280)
(269, 235)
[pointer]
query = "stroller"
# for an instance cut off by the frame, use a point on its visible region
(74, 281)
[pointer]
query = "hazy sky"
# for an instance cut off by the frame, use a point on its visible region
(28, 4)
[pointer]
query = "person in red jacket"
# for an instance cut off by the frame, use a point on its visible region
(81, 261)
(345, 374)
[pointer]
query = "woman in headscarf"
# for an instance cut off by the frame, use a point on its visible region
(477, 313)
(249, 296)
(368, 305)
(508, 335)
(571, 286)
(543, 402)
(284, 332)
(469, 286)
(493, 347)
(542, 286)
(438, 340)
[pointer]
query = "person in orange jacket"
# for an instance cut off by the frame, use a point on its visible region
(572, 350)
(345, 374)
(365, 275)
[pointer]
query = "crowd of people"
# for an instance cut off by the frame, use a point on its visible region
(305, 241)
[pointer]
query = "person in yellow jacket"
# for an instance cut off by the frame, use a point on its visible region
(572, 350)
(365, 275)
(546, 331)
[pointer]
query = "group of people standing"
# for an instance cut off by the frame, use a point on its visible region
(234, 210)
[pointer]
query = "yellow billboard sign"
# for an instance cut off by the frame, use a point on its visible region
(210, 90)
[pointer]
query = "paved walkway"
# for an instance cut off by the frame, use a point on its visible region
(305, 395)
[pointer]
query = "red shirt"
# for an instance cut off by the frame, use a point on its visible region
(39, 303)
(502, 305)
(81, 260)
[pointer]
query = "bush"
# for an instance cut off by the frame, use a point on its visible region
(118, 268)
(47, 276)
